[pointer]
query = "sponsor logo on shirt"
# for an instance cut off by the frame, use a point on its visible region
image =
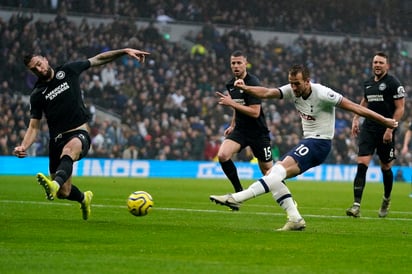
(375, 98)
(306, 116)
(240, 101)
(52, 94)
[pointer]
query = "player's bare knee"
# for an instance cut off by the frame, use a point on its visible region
(265, 171)
(223, 157)
(69, 152)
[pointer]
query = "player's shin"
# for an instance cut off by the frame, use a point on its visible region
(64, 170)
(75, 194)
(264, 185)
(255, 189)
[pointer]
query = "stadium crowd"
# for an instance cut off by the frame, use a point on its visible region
(367, 17)
(167, 107)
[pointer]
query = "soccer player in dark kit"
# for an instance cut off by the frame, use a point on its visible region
(57, 94)
(248, 126)
(384, 94)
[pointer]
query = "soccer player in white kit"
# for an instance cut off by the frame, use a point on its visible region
(315, 103)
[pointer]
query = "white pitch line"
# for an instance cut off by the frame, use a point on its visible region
(210, 210)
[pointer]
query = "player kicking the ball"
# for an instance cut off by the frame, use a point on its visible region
(315, 103)
(57, 94)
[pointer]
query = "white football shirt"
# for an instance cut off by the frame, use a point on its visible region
(317, 112)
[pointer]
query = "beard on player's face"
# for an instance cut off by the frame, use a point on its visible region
(47, 75)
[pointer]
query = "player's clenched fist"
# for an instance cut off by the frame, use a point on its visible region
(20, 151)
(239, 83)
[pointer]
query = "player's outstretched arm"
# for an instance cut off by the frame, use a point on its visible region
(108, 56)
(258, 91)
(365, 112)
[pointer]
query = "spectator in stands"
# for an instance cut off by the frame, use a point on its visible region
(5, 88)
(95, 87)
(151, 33)
(197, 144)
(178, 98)
(130, 152)
(109, 75)
(351, 16)
(198, 52)
(3, 142)
(211, 148)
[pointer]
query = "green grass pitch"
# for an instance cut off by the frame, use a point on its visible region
(186, 233)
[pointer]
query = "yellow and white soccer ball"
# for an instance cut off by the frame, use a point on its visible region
(140, 203)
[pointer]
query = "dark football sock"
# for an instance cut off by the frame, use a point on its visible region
(387, 182)
(359, 182)
(64, 170)
(75, 195)
(230, 170)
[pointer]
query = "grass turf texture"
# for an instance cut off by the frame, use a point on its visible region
(186, 233)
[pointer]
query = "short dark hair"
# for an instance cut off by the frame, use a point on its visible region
(27, 58)
(382, 54)
(295, 69)
(238, 53)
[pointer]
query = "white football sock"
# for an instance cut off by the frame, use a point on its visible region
(283, 197)
(263, 185)
(252, 191)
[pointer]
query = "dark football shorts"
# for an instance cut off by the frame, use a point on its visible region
(369, 141)
(57, 144)
(310, 152)
(260, 145)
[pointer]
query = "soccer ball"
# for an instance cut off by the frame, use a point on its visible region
(140, 203)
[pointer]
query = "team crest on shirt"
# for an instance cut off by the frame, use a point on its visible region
(382, 86)
(60, 75)
(331, 95)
